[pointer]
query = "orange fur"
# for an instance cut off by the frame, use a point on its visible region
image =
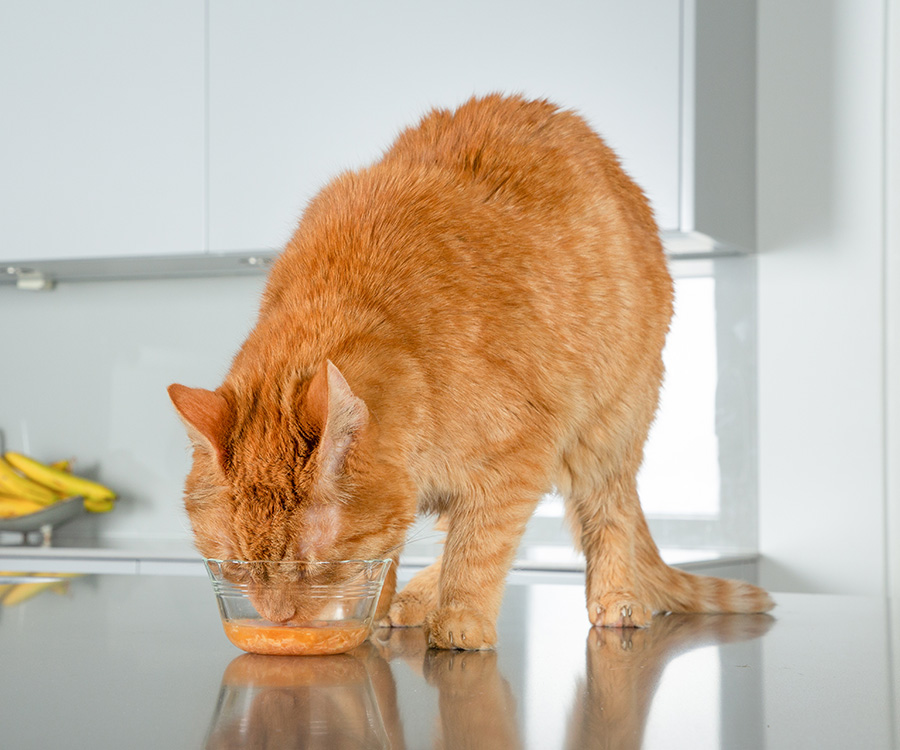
(469, 322)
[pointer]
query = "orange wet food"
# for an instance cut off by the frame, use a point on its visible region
(291, 640)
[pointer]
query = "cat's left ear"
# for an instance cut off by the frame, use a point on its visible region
(205, 415)
(333, 411)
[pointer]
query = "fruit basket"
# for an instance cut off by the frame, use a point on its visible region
(37, 497)
(44, 521)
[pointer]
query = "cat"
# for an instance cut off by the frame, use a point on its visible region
(470, 322)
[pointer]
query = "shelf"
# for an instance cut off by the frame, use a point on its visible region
(43, 275)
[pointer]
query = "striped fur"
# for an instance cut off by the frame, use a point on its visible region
(475, 319)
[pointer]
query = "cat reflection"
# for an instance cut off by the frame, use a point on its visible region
(317, 702)
(477, 709)
(623, 668)
(350, 700)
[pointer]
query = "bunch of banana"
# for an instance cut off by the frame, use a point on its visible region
(27, 485)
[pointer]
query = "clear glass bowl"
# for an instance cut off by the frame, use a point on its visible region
(297, 608)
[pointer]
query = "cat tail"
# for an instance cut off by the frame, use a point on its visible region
(680, 591)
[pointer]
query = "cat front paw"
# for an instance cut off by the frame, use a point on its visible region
(410, 606)
(409, 609)
(618, 609)
(459, 629)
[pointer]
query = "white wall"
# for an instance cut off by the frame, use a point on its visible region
(821, 301)
(892, 287)
(84, 372)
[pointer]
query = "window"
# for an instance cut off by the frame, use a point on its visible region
(698, 481)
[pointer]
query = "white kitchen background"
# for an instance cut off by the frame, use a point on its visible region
(183, 136)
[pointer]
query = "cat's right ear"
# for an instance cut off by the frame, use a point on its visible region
(205, 415)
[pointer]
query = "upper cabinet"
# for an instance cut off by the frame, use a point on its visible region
(102, 134)
(301, 91)
(141, 132)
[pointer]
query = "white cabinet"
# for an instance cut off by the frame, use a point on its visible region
(180, 137)
(300, 91)
(102, 132)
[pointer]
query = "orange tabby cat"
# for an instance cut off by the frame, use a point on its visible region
(473, 320)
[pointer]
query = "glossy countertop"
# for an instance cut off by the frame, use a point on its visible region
(137, 661)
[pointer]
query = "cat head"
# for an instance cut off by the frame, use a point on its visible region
(283, 471)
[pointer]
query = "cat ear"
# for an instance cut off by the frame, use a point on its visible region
(335, 414)
(204, 413)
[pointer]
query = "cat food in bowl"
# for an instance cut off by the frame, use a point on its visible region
(297, 608)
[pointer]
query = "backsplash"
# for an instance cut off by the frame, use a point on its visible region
(84, 375)
(87, 366)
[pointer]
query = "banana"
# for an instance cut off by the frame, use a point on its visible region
(98, 506)
(58, 480)
(10, 507)
(13, 483)
(64, 465)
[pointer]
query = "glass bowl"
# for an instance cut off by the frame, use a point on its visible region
(297, 608)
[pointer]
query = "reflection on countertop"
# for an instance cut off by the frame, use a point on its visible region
(314, 702)
(350, 700)
(150, 650)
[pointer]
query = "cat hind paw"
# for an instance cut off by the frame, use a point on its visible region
(619, 609)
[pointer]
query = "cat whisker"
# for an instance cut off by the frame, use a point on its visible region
(424, 535)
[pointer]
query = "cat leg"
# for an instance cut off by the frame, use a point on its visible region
(420, 595)
(481, 543)
(619, 553)
(627, 579)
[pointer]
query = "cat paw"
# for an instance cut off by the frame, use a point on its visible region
(619, 609)
(410, 606)
(460, 629)
(408, 610)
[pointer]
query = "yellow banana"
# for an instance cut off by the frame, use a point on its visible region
(13, 483)
(98, 506)
(58, 480)
(10, 507)
(64, 465)
(10, 496)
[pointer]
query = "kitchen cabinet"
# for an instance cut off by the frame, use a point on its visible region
(184, 138)
(300, 91)
(102, 146)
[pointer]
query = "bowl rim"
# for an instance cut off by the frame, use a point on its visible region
(373, 561)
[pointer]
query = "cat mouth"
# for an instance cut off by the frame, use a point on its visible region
(285, 612)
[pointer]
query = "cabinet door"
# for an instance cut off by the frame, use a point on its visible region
(301, 91)
(102, 133)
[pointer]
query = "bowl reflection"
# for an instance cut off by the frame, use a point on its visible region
(314, 702)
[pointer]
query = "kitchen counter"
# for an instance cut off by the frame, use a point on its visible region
(177, 556)
(112, 661)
